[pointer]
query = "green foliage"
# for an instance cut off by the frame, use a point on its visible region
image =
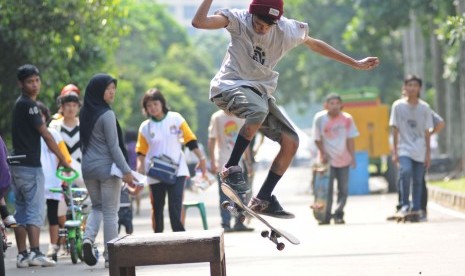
(194, 74)
(151, 32)
(68, 41)
(303, 73)
(452, 32)
(176, 99)
(376, 28)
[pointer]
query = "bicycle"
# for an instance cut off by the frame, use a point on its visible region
(74, 225)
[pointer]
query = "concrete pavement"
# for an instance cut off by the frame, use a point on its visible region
(366, 245)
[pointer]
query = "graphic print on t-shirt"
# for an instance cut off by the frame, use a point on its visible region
(231, 130)
(259, 55)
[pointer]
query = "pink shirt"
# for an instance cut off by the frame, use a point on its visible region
(334, 132)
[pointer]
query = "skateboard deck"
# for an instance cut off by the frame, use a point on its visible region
(320, 181)
(409, 217)
(239, 205)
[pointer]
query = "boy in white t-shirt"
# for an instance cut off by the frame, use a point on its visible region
(334, 132)
(260, 37)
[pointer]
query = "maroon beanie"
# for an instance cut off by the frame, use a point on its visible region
(267, 8)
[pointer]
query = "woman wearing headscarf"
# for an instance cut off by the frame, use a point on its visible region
(102, 146)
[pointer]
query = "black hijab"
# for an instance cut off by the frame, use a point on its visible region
(94, 106)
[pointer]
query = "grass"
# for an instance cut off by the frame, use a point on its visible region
(456, 185)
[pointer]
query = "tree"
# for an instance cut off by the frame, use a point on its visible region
(67, 40)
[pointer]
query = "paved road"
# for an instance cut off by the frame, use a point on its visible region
(366, 245)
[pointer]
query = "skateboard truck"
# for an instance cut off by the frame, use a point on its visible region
(274, 238)
(234, 210)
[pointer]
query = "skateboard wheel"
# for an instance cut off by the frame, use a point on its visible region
(265, 234)
(280, 246)
(225, 204)
(241, 218)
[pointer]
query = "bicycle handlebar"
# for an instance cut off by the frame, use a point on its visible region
(73, 174)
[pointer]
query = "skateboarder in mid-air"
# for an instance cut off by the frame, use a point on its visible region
(260, 37)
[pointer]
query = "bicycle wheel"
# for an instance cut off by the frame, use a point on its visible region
(73, 251)
(79, 246)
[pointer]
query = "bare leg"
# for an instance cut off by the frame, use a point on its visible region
(53, 230)
(289, 145)
(33, 233)
(20, 235)
(248, 131)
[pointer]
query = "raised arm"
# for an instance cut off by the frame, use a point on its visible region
(327, 50)
(202, 20)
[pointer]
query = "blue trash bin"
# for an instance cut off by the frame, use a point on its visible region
(358, 177)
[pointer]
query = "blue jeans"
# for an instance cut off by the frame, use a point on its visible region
(342, 177)
(28, 184)
(105, 197)
(410, 171)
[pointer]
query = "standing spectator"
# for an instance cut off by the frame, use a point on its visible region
(27, 174)
(56, 207)
(68, 123)
(438, 125)
(158, 136)
(334, 132)
(260, 38)
(102, 146)
(222, 133)
(411, 120)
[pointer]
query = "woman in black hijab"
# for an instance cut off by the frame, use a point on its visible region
(102, 147)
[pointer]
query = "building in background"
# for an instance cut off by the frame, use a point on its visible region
(184, 10)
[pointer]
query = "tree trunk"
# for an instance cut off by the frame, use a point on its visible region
(461, 78)
(453, 119)
(413, 45)
(439, 84)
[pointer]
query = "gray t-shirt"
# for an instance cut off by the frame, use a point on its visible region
(103, 149)
(436, 118)
(412, 121)
(251, 57)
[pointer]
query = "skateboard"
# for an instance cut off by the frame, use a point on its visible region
(320, 183)
(237, 207)
(409, 217)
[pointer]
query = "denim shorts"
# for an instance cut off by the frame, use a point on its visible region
(249, 104)
(125, 219)
(28, 184)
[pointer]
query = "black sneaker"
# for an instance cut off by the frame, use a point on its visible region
(269, 208)
(227, 228)
(240, 227)
(90, 252)
(339, 218)
(234, 177)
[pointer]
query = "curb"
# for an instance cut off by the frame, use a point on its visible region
(447, 198)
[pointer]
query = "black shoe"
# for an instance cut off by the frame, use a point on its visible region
(339, 218)
(90, 252)
(240, 227)
(227, 228)
(270, 208)
(234, 177)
